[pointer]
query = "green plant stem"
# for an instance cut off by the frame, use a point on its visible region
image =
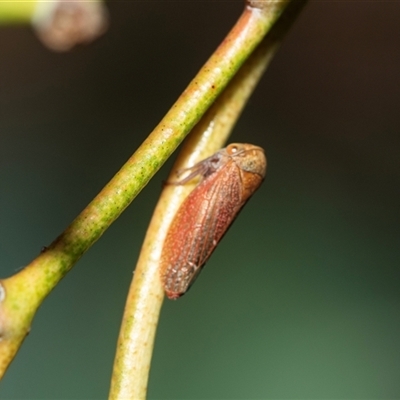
(143, 305)
(17, 11)
(23, 293)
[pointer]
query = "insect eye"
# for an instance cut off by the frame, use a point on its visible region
(232, 149)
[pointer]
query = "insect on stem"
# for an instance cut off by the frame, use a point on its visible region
(228, 179)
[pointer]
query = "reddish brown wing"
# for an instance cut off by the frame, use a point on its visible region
(198, 226)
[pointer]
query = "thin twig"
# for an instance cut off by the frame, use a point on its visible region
(136, 339)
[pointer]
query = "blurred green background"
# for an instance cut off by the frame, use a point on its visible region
(301, 299)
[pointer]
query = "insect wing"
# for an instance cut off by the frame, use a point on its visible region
(199, 225)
